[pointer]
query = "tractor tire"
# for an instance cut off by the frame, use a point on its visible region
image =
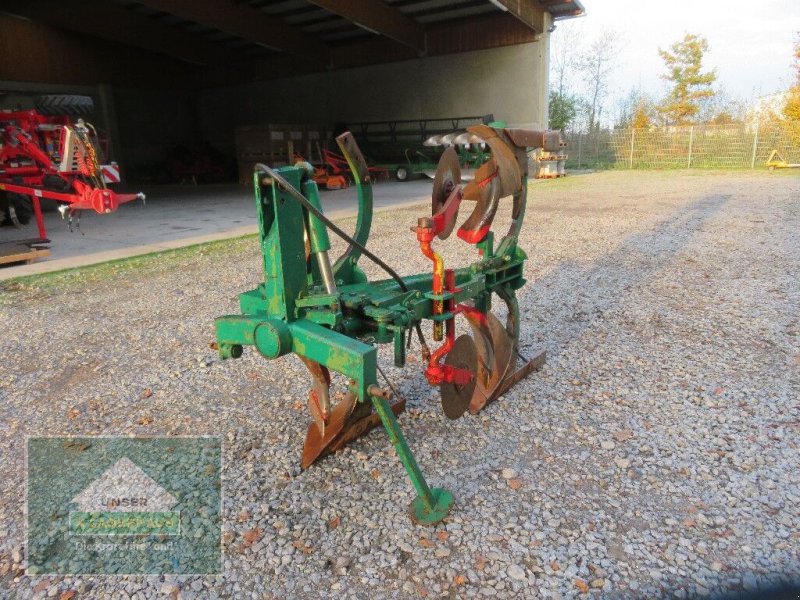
(401, 174)
(15, 210)
(65, 104)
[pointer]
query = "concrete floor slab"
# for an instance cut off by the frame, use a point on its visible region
(177, 216)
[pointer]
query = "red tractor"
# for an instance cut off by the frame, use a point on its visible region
(51, 152)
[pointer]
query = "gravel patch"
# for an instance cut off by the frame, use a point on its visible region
(655, 454)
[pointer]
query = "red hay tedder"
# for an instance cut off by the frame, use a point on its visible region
(51, 152)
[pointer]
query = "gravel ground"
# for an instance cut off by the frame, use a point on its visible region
(655, 454)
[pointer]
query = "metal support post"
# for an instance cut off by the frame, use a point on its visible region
(431, 505)
(755, 146)
(691, 142)
(633, 137)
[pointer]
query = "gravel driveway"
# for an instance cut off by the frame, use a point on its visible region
(655, 454)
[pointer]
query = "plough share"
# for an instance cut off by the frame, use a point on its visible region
(331, 316)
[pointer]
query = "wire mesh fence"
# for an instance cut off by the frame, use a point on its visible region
(741, 145)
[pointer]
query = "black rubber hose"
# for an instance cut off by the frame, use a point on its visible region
(335, 228)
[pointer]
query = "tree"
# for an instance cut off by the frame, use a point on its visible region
(721, 109)
(690, 85)
(596, 64)
(636, 110)
(792, 108)
(563, 109)
(565, 48)
(797, 60)
(641, 117)
(562, 102)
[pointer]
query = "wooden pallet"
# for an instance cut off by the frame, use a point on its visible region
(22, 251)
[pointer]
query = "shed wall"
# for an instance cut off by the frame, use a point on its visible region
(509, 82)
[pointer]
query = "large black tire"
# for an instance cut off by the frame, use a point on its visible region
(65, 104)
(22, 209)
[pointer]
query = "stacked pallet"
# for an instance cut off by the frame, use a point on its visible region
(275, 145)
(23, 251)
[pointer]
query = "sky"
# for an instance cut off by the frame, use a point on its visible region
(750, 42)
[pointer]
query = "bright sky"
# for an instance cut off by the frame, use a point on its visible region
(750, 40)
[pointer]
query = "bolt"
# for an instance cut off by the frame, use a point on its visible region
(374, 390)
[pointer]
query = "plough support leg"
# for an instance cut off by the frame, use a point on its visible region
(431, 505)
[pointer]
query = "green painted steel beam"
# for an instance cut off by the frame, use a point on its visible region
(338, 352)
(431, 505)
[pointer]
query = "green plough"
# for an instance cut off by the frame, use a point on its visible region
(331, 316)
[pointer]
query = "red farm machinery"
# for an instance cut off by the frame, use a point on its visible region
(52, 152)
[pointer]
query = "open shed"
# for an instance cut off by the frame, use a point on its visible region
(169, 73)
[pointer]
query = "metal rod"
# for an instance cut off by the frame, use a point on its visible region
(633, 136)
(755, 146)
(403, 451)
(332, 226)
(326, 271)
(691, 141)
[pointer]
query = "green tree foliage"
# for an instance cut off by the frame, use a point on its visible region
(641, 117)
(792, 109)
(636, 110)
(690, 85)
(563, 109)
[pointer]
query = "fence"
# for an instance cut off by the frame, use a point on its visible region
(745, 145)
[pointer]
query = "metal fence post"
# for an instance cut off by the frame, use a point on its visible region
(755, 146)
(633, 136)
(580, 138)
(691, 141)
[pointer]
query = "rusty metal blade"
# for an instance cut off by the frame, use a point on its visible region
(433, 141)
(448, 176)
(486, 356)
(507, 165)
(503, 345)
(318, 441)
(472, 191)
(319, 397)
(352, 154)
(503, 348)
(477, 225)
(349, 421)
(363, 425)
(456, 398)
(514, 378)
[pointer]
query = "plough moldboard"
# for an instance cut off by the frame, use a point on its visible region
(331, 316)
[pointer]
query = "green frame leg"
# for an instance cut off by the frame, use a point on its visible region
(431, 505)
